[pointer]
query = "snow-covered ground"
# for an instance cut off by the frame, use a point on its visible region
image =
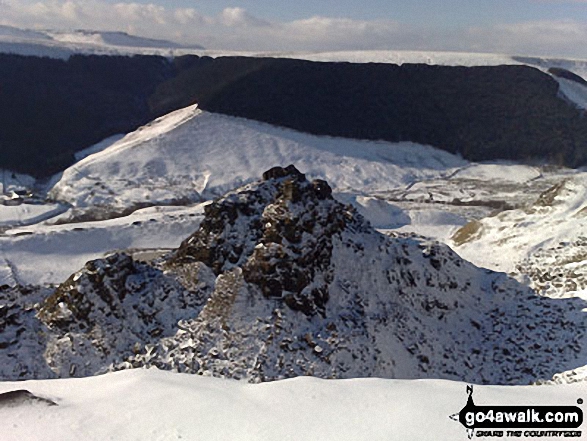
(154, 405)
(27, 214)
(62, 44)
(189, 156)
(111, 39)
(11, 181)
(48, 254)
(573, 91)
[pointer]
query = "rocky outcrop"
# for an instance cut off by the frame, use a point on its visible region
(305, 286)
(289, 224)
(282, 280)
(115, 306)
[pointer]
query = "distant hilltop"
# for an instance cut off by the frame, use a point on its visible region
(84, 37)
(115, 39)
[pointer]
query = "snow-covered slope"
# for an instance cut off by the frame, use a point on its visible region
(10, 32)
(574, 92)
(191, 155)
(149, 404)
(105, 39)
(544, 240)
(63, 44)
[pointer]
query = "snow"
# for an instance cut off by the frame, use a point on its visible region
(7, 32)
(435, 223)
(155, 405)
(27, 214)
(105, 143)
(577, 66)
(403, 57)
(190, 154)
(380, 213)
(63, 44)
(498, 171)
(574, 91)
(11, 181)
(542, 234)
(104, 38)
(49, 254)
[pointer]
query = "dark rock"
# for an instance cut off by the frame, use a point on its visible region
(22, 397)
(322, 188)
(282, 172)
(567, 74)
(289, 222)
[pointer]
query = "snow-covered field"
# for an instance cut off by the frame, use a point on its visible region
(63, 44)
(154, 405)
(26, 214)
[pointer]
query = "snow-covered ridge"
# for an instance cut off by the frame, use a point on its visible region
(104, 38)
(62, 44)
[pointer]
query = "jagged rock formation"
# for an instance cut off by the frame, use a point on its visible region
(290, 227)
(23, 337)
(282, 280)
(114, 306)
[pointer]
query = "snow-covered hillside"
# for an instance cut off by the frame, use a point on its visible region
(544, 240)
(105, 39)
(190, 155)
(137, 267)
(63, 44)
(149, 404)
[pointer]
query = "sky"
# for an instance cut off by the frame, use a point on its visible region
(522, 27)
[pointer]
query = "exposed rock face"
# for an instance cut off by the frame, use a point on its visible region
(23, 337)
(282, 280)
(112, 304)
(289, 228)
(306, 287)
